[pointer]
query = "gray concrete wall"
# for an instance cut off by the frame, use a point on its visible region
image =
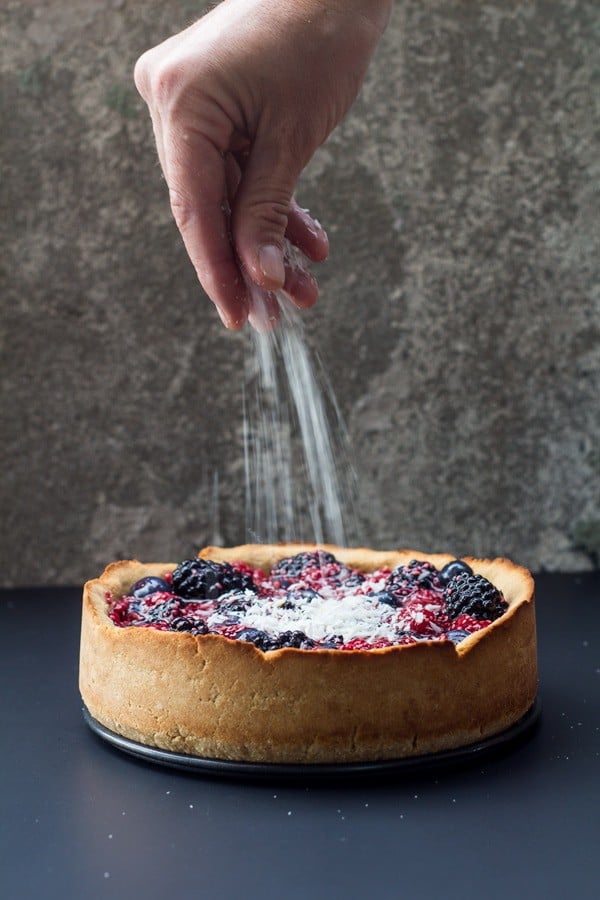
(459, 310)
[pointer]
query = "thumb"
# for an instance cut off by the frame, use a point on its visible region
(260, 214)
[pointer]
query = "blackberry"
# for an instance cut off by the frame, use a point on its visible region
(294, 566)
(259, 638)
(182, 623)
(162, 612)
(350, 577)
(201, 579)
(193, 624)
(417, 575)
(295, 639)
(233, 602)
(287, 604)
(454, 567)
(475, 596)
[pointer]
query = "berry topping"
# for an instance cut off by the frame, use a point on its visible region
(184, 623)
(457, 635)
(295, 566)
(259, 638)
(312, 601)
(474, 596)
(464, 622)
(418, 574)
(454, 567)
(201, 579)
(387, 597)
(149, 585)
(295, 639)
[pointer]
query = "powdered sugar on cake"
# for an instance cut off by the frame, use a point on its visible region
(328, 613)
(312, 601)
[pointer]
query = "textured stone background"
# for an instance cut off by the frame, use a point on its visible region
(459, 311)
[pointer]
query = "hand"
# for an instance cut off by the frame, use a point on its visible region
(239, 102)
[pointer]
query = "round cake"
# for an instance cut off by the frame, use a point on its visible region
(298, 653)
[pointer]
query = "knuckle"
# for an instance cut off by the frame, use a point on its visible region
(142, 74)
(184, 211)
(165, 83)
(159, 81)
(268, 206)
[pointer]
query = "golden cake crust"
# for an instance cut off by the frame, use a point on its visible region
(210, 696)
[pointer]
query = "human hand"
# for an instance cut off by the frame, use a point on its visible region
(240, 101)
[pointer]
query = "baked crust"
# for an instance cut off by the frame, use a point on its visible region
(210, 696)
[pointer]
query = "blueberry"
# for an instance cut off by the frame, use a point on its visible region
(457, 635)
(148, 585)
(386, 597)
(331, 642)
(454, 567)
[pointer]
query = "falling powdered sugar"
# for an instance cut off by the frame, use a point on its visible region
(287, 394)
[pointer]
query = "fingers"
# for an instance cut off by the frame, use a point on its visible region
(300, 286)
(195, 174)
(306, 233)
(261, 210)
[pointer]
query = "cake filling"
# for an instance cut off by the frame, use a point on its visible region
(312, 601)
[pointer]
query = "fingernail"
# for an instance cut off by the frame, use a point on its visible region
(270, 260)
(223, 317)
(231, 322)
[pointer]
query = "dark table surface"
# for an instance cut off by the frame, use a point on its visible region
(82, 819)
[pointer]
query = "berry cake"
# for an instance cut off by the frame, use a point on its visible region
(295, 653)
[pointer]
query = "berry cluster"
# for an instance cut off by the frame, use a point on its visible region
(202, 579)
(412, 602)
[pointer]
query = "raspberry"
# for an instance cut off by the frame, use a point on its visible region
(475, 596)
(361, 644)
(420, 619)
(468, 623)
